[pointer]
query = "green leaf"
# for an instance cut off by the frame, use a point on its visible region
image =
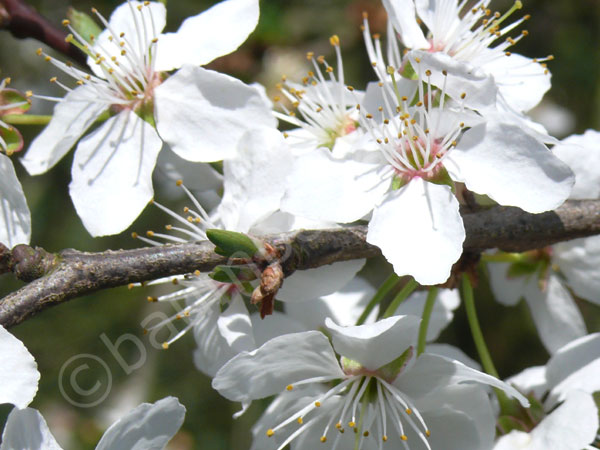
(232, 243)
(85, 25)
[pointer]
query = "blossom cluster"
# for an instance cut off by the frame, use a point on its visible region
(349, 360)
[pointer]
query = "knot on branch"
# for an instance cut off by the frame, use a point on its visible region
(28, 263)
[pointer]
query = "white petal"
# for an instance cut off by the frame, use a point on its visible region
(579, 261)
(344, 306)
(507, 290)
(377, 344)
(402, 15)
(430, 372)
(274, 325)
(417, 221)
(582, 154)
(212, 351)
(112, 173)
(572, 357)
(139, 24)
(72, 117)
(279, 362)
(322, 187)
(571, 426)
(514, 440)
(26, 429)
(212, 33)
(235, 326)
(450, 430)
(18, 372)
(254, 181)
(197, 177)
(446, 302)
(531, 380)
(15, 219)
(452, 352)
(149, 426)
(556, 316)
(585, 379)
(462, 78)
(521, 81)
(203, 114)
(309, 284)
(513, 168)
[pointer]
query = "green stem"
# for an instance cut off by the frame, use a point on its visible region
(427, 310)
(402, 295)
(482, 350)
(506, 404)
(502, 257)
(26, 119)
(385, 288)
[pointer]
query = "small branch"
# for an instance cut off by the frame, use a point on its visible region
(24, 22)
(70, 274)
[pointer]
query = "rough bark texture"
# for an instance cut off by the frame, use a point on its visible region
(56, 278)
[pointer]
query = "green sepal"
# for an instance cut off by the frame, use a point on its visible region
(231, 274)
(84, 24)
(409, 71)
(13, 97)
(232, 243)
(398, 182)
(392, 369)
(521, 269)
(12, 138)
(442, 177)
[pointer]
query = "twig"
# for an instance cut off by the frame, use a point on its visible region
(58, 278)
(24, 22)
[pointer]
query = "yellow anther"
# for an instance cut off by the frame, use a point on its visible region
(66, 22)
(151, 299)
(427, 433)
(366, 434)
(508, 53)
(463, 95)
(53, 80)
(197, 272)
(408, 411)
(334, 40)
(94, 10)
(428, 72)
(323, 439)
(178, 317)
(351, 424)
(300, 421)
(321, 59)
(134, 235)
(350, 88)
(404, 437)
(47, 59)
(318, 404)
(175, 281)
(130, 286)
(150, 233)
(289, 387)
(145, 331)
(270, 432)
(338, 425)
(165, 345)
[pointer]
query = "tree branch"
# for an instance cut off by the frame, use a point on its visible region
(54, 279)
(24, 22)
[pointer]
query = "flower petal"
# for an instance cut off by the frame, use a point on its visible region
(446, 302)
(507, 290)
(280, 362)
(27, 429)
(199, 177)
(304, 285)
(72, 117)
(212, 33)
(579, 261)
(374, 345)
(203, 114)
(521, 81)
(556, 316)
(112, 173)
(417, 221)
(402, 15)
(149, 426)
(322, 187)
(571, 426)
(136, 24)
(235, 326)
(254, 181)
(572, 357)
(531, 380)
(18, 373)
(581, 154)
(15, 219)
(510, 166)
(431, 372)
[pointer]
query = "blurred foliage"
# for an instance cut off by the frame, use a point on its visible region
(287, 30)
